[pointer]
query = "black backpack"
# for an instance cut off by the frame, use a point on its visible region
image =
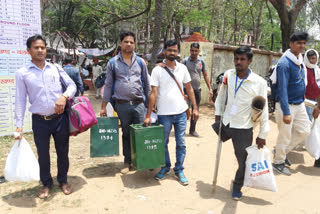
(100, 80)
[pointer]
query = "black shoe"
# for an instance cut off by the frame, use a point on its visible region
(236, 193)
(2, 179)
(281, 169)
(317, 163)
(287, 162)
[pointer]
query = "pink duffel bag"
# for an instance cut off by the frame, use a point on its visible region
(81, 115)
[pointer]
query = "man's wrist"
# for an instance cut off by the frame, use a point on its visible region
(65, 96)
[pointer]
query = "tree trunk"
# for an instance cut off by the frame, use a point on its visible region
(235, 27)
(156, 32)
(146, 37)
(176, 33)
(211, 19)
(223, 26)
(288, 17)
(271, 22)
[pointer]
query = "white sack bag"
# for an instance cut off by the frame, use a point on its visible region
(259, 173)
(312, 143)
(21, 163)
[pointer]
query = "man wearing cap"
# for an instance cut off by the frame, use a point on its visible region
(241, 87)
(291, 115)
(96, 71)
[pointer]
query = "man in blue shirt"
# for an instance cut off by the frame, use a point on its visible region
(291, 116)
(74, 74)
(127, 83)
(40, 82)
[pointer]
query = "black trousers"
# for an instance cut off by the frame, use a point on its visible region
(197, 94)
(241, 139)
(129, 114)
(42, 131)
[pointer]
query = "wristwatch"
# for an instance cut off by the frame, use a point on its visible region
(65, 95)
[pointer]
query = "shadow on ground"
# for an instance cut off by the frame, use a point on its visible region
(224, 195)
(103, 170)
(27, 198)
(307, 170)
(140, 179)
(296, 157)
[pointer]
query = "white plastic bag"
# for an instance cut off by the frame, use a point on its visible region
(259, 173)
(312, 143)
(153, 116)
(21, 163)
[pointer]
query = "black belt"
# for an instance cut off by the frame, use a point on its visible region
(44, 117)
(131, 102)
(294, 104)
(291, 103)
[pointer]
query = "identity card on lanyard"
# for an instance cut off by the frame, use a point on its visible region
(234, 107)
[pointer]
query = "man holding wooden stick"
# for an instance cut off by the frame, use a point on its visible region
(242, 86)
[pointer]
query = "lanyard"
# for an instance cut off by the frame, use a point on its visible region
(237, 88)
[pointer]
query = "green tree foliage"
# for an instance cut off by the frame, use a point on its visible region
(94, 23)
(97, 23)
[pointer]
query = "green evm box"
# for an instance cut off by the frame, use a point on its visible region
(147, 146)
(104, 137)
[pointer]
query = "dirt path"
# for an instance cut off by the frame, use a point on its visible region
(100, 188)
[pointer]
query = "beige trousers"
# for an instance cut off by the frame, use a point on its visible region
(290, 135)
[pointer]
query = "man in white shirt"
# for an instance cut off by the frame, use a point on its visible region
(172, 106)
(241, 85)
(96, 71)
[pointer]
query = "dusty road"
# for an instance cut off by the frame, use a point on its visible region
(99, 187)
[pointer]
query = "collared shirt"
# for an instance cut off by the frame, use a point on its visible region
(195, 68)
(74, 74)
(43, 87)
(96, 71)
(127, 83)
(291, 86)
(170, 100)
(238, 110)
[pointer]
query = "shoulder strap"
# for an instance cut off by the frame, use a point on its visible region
(113, 70)
(202, 62)
(63, 84)
(139, 62)
(113, 65)
(184, 61)
(171, 75)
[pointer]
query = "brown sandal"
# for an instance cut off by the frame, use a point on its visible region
(44, 192)
(66, 188)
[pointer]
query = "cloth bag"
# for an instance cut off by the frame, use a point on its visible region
(80, 112)
(312, 143)
(259, 173)
(21, 163)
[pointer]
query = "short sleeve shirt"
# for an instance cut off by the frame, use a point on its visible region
(170, 100)
(195, 68)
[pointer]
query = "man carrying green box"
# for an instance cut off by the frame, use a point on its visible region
(127, 84)
(167, 81)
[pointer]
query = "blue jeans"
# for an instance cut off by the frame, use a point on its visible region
(179, 122)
